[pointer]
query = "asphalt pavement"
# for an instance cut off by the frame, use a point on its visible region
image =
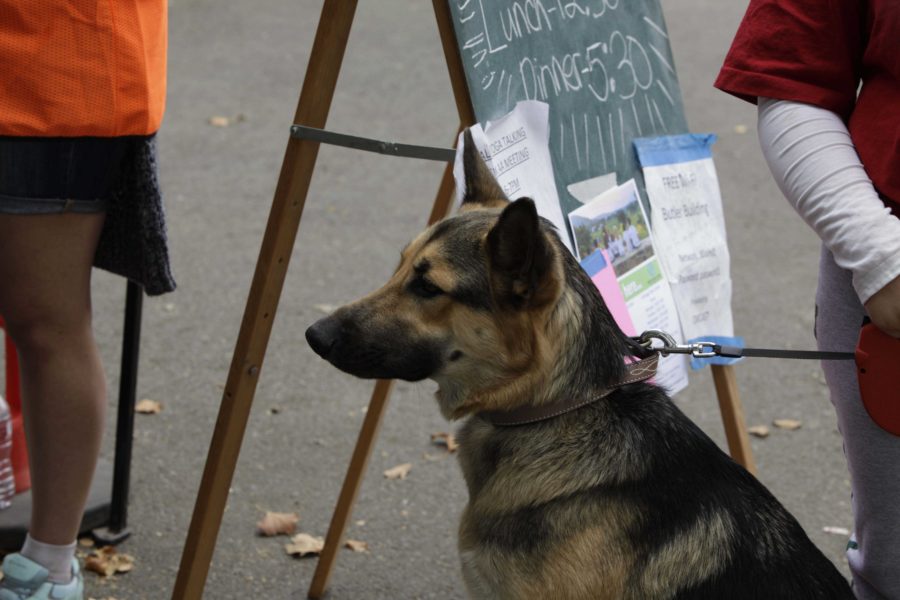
(244, 62)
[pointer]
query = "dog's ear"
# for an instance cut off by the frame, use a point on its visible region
(482, 190)
(521, 257)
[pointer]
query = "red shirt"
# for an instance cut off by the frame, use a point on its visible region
(818, 52)
(82, 67)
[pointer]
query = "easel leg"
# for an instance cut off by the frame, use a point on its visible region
(352, 482)
(733, 416)
(440, 209)
(366, 440)
(265, 292)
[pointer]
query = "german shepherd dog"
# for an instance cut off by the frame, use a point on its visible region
(622, 498)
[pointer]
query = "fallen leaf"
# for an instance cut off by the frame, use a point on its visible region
(303, 544)
(398, 472)
(357, 546)
(836, 530)
(107, 562)
(760, 431)
(445, 439)
(148, 407)
(274, 523)
(789, 424)
(221, 121)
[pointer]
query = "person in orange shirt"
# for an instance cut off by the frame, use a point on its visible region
(82, 93)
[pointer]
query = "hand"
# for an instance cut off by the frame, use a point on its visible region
(884, 308)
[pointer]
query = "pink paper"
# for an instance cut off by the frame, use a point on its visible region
(605, 280)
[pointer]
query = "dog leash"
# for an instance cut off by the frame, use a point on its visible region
(640, 370)
(712, 349)
(645, 368)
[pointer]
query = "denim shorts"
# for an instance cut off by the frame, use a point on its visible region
(55, 175)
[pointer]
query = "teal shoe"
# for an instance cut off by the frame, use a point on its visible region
(24, 579)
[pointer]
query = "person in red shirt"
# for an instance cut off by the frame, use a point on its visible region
(81, 94)
(826, 77)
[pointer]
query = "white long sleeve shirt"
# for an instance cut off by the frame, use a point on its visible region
(815, 164)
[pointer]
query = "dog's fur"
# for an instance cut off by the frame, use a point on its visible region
(623, 498)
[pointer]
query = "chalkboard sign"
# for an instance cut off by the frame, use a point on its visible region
(605, 68)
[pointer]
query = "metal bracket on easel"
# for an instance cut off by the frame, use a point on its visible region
(369, 145)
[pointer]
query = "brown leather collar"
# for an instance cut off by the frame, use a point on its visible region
(637, 371)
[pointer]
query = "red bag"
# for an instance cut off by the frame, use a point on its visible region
(877, 365)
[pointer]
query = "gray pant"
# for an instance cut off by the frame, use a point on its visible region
(873, 455)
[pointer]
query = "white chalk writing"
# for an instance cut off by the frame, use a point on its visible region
(617, 69)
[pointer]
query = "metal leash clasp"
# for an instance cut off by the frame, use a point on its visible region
(668, 342)
(698, 349)
(670, 346)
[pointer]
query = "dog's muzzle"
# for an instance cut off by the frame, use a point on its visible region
(384, 352)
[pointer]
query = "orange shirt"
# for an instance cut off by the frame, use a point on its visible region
(73, 68)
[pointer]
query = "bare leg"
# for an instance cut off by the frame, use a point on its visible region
(45, 272)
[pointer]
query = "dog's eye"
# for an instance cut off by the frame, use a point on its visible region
(425, 289)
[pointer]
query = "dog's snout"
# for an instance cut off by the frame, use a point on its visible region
(322, 335)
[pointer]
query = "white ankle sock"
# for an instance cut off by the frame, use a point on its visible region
(56, 559)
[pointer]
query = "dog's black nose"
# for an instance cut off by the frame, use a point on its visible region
(322, 335)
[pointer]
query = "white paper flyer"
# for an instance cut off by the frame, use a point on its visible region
(516, 149)
(689, 230)
(614, 245)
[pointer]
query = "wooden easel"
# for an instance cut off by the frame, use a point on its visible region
(284, 219)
